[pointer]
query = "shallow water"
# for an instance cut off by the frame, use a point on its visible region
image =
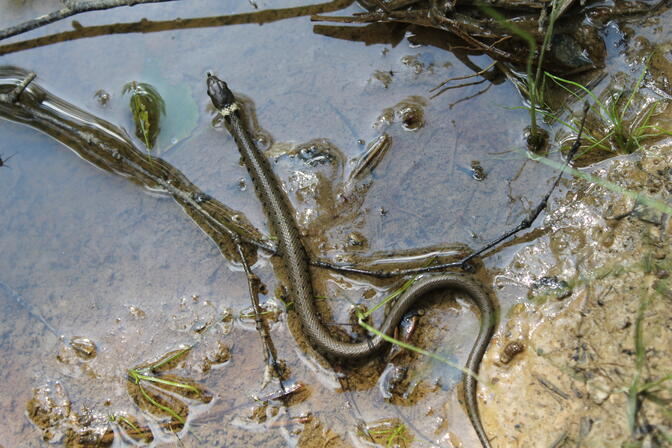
(99, 257)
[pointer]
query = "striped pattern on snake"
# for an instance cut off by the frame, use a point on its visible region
(295, 260)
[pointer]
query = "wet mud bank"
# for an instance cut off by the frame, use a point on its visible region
(583, 358)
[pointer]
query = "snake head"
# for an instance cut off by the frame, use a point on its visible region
(219, 93)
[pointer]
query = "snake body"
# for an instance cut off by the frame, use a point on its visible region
(295, 259)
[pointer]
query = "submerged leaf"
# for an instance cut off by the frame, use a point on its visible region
(182, 111)
(147, 107)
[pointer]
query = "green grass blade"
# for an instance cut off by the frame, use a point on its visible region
(640, 357)
(646, 200)
(156, 379)
(170, 411)
(653, 384)
(407, 284)
(598, 107)
(121, 418)
(169, 359)
(533, 88)
(636, 87)
(413, 348)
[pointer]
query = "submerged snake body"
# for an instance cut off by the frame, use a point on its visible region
(295, 259)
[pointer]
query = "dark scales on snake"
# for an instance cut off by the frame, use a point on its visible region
(296, 262)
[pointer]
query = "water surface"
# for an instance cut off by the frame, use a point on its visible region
(98, 257)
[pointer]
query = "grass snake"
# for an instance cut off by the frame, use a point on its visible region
(295, 259)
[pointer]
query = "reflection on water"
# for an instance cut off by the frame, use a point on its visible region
(105, 268)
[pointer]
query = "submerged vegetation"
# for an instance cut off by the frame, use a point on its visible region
(536, 138)
(389, 434)
(158, 393)
(620, 122)
(147, 107)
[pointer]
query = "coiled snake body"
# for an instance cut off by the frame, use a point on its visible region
(295, 259)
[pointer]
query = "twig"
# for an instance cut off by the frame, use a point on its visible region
(421, 17)
(71, 8)
(157, 26)
(384, 274)
(402, 16)
(467, 98)
(14, 95)
(557, 443)
(351, 402)
(550, 386)
(458, 86)
(217, 415)
(270, 354)
(459, 78)
(281, 394)
(363, 18)
(10, 292)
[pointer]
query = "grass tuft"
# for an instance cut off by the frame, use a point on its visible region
(151, 374)
(391, 435)
(619, 133)
(534, 75)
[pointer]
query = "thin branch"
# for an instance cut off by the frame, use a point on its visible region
(148, 26)
(551, 387)
(467, 98)
(13, 96)
(216, 415)
(71, 8)
(417, 16)
(253, 282)
(457, 86)
(460, 78)
(10, 292)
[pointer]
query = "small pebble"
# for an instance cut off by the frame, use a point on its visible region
(84, 347)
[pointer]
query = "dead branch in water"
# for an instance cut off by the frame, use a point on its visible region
(253, 285)
(149, 26)
(71, 8)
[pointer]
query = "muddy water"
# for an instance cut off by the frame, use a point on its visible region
(98, 258)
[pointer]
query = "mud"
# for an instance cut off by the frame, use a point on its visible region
(572, 384)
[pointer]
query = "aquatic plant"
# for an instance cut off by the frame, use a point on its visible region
(534, 79)
(618, 134)
(391, 434)
(164, 403)
(147, 107)
(132, 427)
